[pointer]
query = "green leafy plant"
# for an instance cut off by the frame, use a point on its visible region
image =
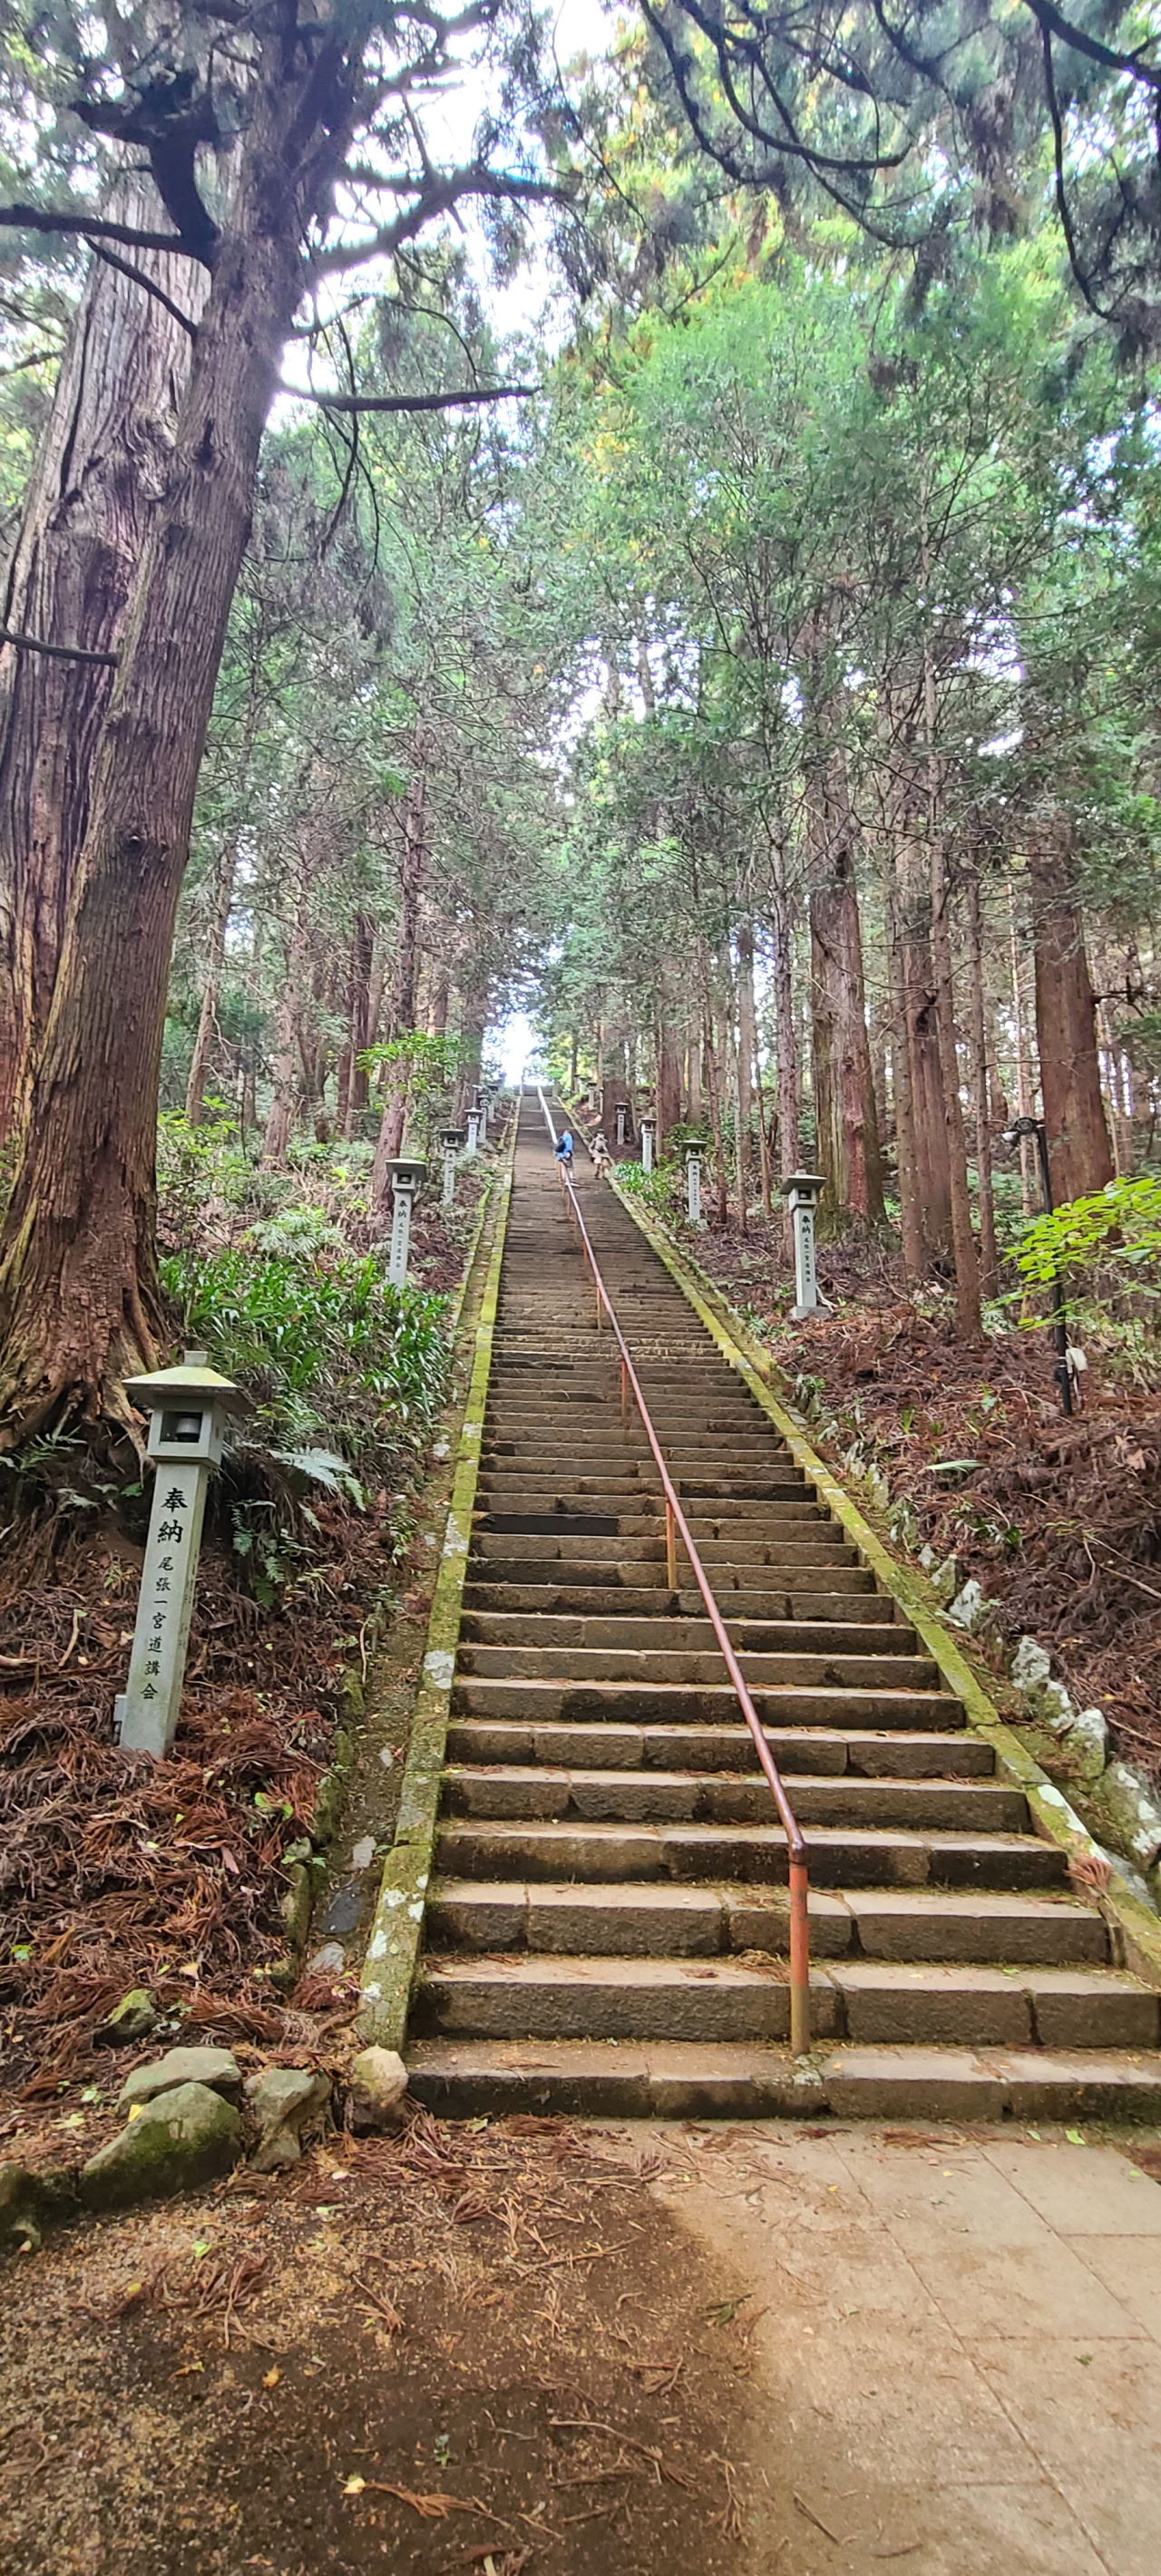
(1118, 1228)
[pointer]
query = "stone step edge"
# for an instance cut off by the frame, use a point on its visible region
(678, 2079)
(1134, 1929)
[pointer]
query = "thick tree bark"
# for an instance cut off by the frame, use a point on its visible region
(79, 1299)
(1079, 1158)
(989, 1256)
(785, 1040)
(910, 1205)
(747, 1058)
(404, 986)
(913, 900)
(352, 1076)
(99, 477)
(967, 1270)
(223, 898)
(844, 1090)
(668, 1060)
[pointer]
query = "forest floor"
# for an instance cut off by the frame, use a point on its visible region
(1059, 1521)
(116, 1873)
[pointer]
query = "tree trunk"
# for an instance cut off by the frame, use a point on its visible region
(404, 985)
(99, 476)
(747, 1057)
(967, 1274)
(844, 1090)
(910, 1204)
(1079, 1159)
(923, 1048)
(79, 1299)
(224, 896)
(989, 1256)
(668, 1103)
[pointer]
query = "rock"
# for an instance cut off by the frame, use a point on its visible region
(212, 2067)
(181, 2140)
(945, 1580)
(1086, 1742)
(285, 2100)
(29, 2202)
(133, 2018)
(329, 1961)
(1131, 1813)
(364, 1852)
(378, 2090)
(1031, 1666)
(969, 1608)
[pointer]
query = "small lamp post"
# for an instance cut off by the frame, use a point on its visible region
(620, 1121)
(1062, 1370)
(407, 1176)
(473, 1131)
(648, 1139)
(451, 1139)
(693, 1183)
(802, 1191)
(187, 1409)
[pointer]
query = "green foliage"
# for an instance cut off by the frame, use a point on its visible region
(339, 1349)
(1117, 1231)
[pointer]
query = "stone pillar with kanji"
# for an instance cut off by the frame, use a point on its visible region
(188, 1406)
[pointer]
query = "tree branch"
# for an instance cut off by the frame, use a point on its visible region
(56, 652)
(48, 219)
(102, 252)
(411, 402)
(470, 181)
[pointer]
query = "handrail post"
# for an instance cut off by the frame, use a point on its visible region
(670, 1547)
(799, 1960)
(624, 1391)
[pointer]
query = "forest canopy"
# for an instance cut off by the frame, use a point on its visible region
(745, 660)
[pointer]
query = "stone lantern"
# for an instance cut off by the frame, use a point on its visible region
(474, 1116)
(451, 1139)
(802, 1191)
(693, 1183)
(188, 1408)
(648, 1139)
(407, 1176)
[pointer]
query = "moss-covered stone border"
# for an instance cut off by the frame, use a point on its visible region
(393, 1949)
(1134, 1930)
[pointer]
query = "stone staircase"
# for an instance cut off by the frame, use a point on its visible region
(608, 1921)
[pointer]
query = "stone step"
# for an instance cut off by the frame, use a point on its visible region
(755, 1855)
(821, 1549)
(540, 1996)
(560, 1995)
(549, 1596)
(476, 2078)
(581, 1664)
(636, 1507)
(630, 1797)
(621, 1919)
(822, 1753)
(620, 1631)
(555, 1702)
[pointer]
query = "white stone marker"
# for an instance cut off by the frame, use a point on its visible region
(451, 1138)
(407, 1176)
(188, 1408)
(803, 1191)
(473, 1130)
(620, 1116)
(693, 1185)
(648, 1134)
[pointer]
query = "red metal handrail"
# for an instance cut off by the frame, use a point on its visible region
(676, 1524)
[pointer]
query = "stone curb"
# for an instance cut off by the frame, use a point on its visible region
(1134, 1930)
(393, 1948)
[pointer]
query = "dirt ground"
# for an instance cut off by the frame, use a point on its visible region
(478, 2346)
(575, 2351)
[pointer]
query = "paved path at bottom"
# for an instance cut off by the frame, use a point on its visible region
(956, 2343)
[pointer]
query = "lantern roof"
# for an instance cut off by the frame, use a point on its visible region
(192, 1381)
